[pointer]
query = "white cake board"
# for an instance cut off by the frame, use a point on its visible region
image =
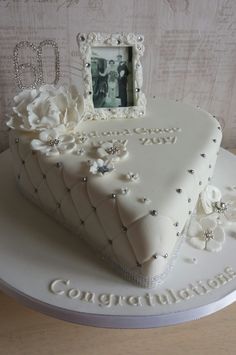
(35, 250)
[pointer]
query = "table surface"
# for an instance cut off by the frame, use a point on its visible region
(24, 331)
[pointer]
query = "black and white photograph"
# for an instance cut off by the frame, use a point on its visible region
(112, 77)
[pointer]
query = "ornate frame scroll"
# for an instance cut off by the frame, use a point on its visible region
(90, 41)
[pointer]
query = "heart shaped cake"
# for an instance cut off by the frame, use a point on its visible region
(127, 187)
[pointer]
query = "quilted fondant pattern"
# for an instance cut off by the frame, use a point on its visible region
(74, 208)
(48, 189)
(140, 240)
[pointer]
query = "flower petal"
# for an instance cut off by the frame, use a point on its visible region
(219, 234)
(194, 229)
(61, 129)
(37, 144)
(197, 243)
(107, 145)
(52, 151)
(101, 152)
(67, 148)
(208, 223)
(48, 107)
(67, 139)
(123, 154)
(210, 195)
(93, 169)
(213, 193)
(213, 246)
(46, 135)
(100, 163)
(230, 213)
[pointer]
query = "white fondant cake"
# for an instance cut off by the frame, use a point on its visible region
(127, 187)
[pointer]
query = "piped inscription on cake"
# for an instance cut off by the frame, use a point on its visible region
(130, 132)
(64, 288)
(150, 136)
(158, 140)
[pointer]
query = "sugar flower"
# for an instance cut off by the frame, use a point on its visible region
(124, 190)
(225, 210)
(101, 167)
(113, 149)
(132, 177)
(206, 234)
(212, 203)
(53, 142)
(80, 150)
(81, 139)
(208, 197)
(45, 108)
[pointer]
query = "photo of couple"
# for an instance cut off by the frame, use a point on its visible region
(111, 69)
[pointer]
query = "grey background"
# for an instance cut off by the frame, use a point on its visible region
(190, 47)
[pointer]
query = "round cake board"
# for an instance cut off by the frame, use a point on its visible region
(51, 270)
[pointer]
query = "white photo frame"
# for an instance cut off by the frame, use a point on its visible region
(112, 75)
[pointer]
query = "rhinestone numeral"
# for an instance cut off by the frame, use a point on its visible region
(37, 68)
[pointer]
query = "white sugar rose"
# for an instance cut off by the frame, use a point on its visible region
(45, 108)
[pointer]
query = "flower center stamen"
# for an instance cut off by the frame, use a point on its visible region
(54, 142)
(113, 150)
(208, 234)
(220, 207)
(103, 169)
